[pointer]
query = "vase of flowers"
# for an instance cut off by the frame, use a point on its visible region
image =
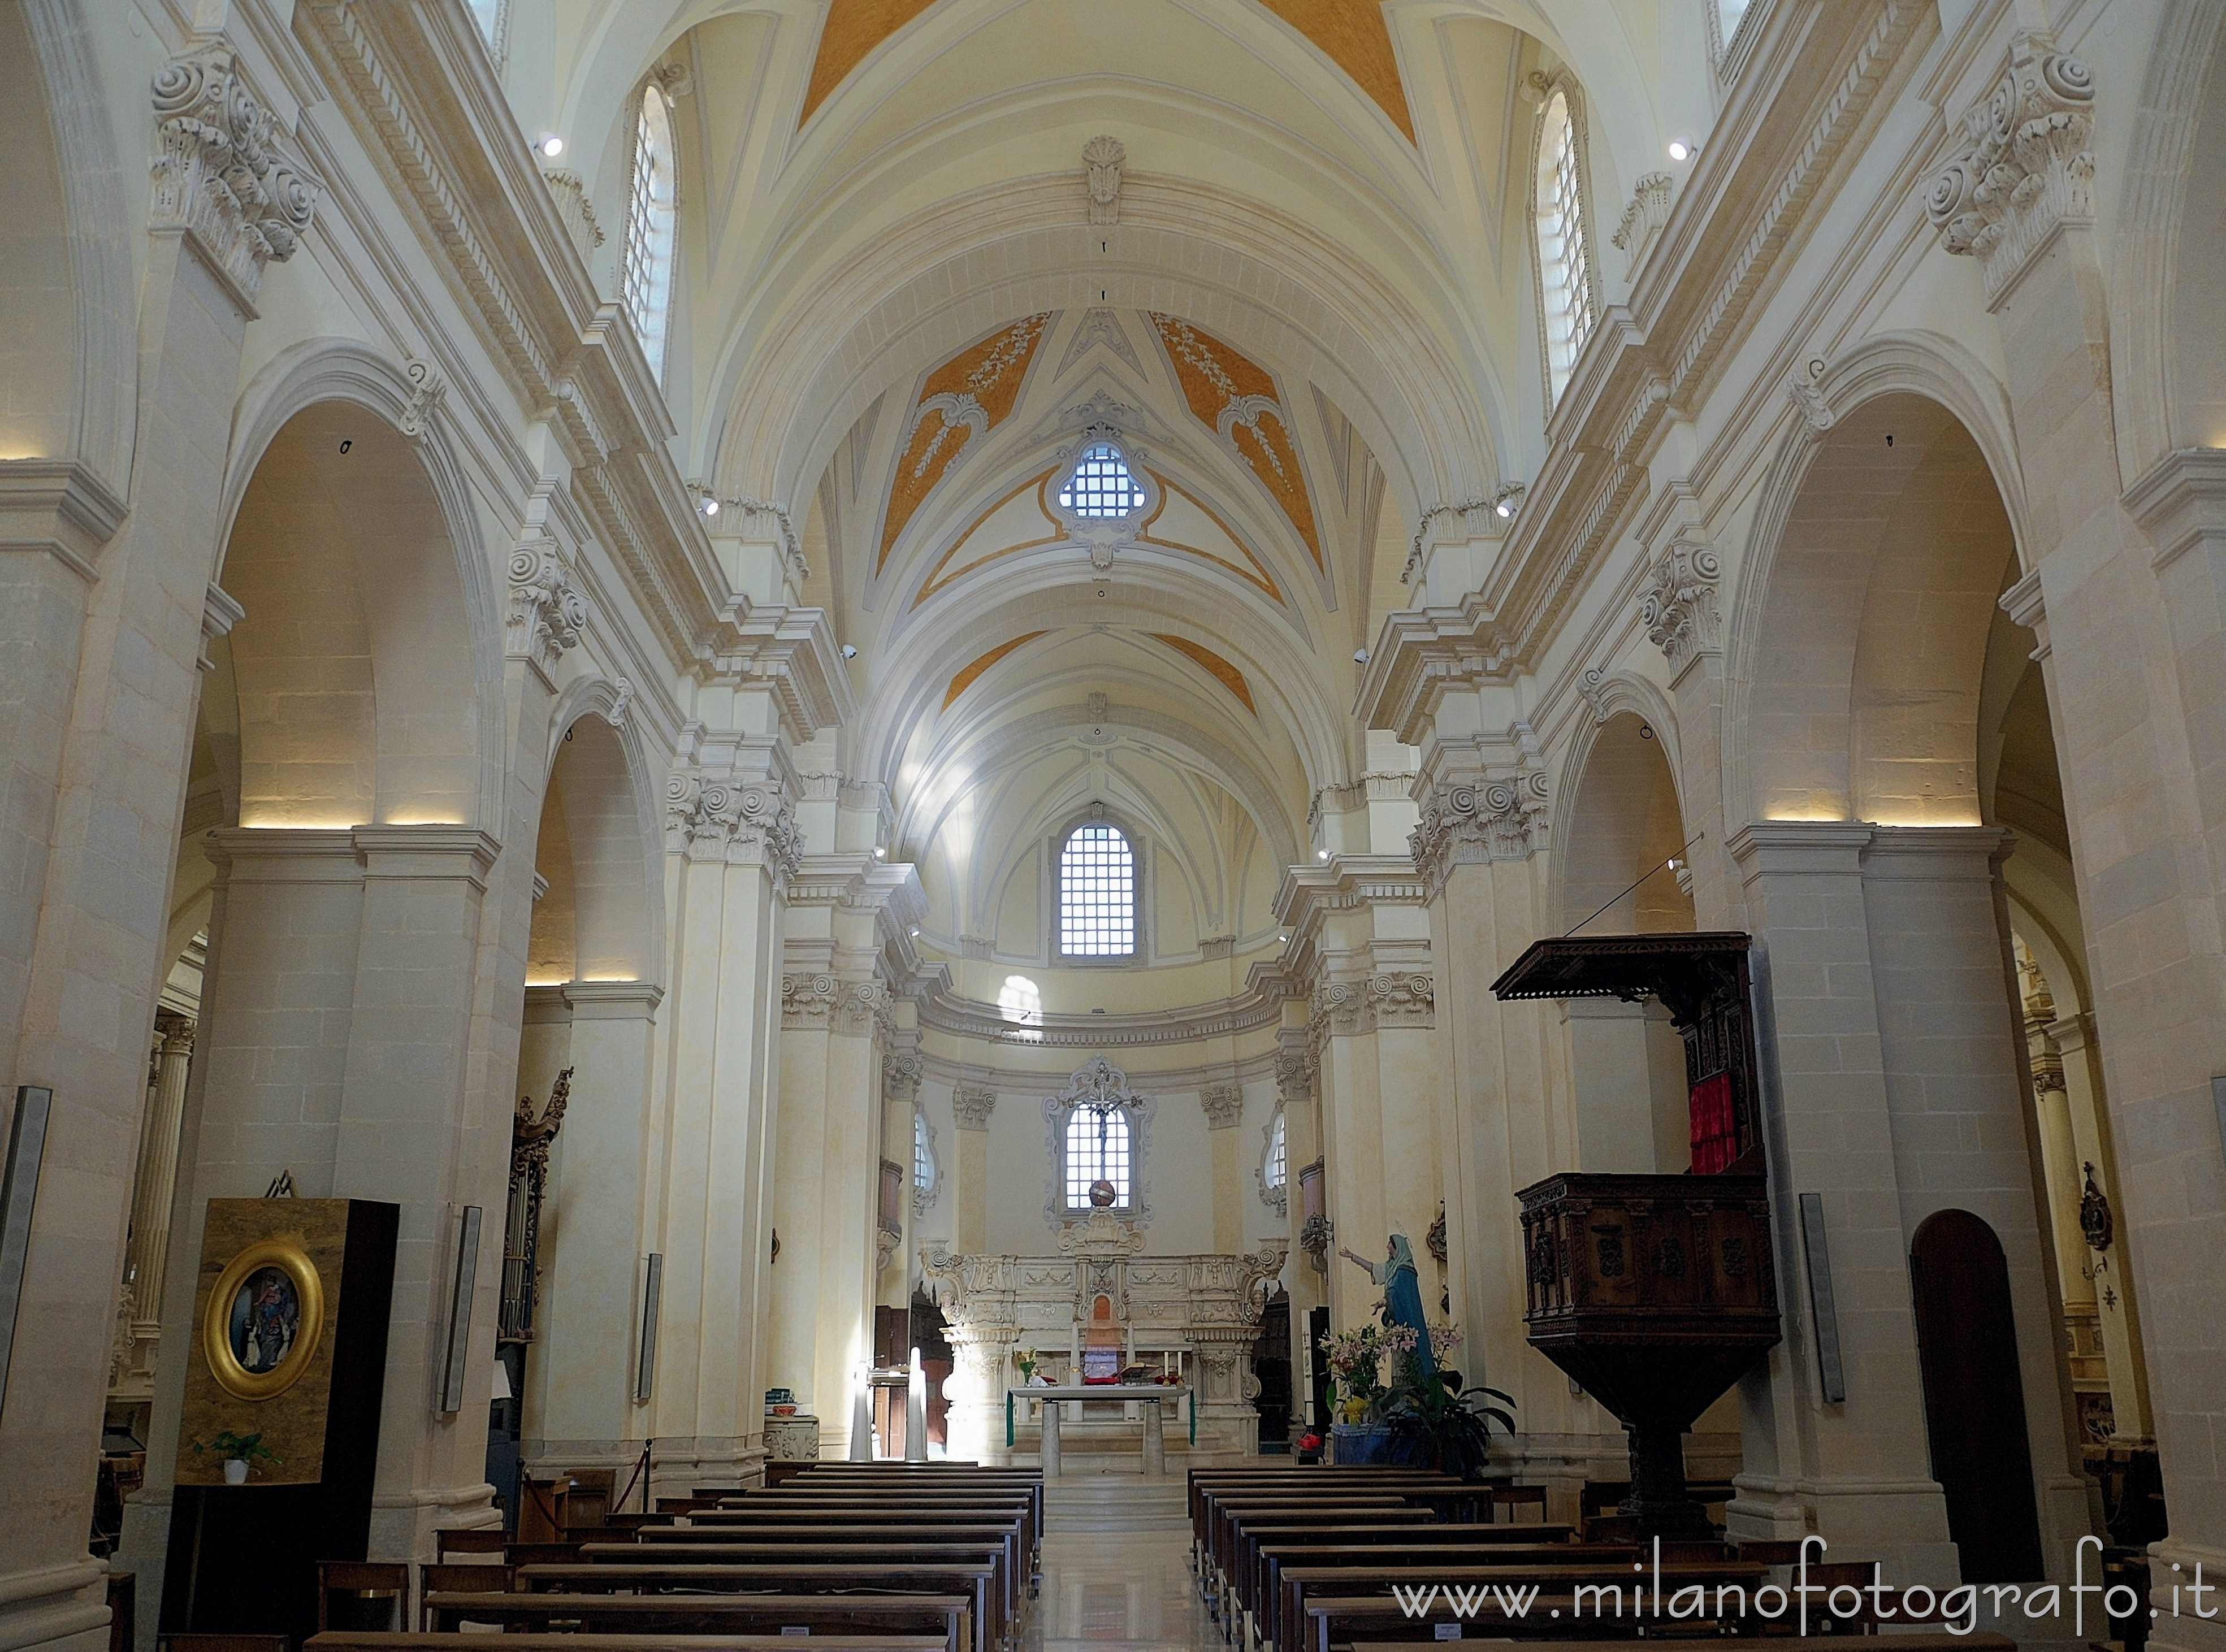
(1428, 1422)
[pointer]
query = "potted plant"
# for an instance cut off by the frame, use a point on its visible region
(240, 1453)
(1356, 1364)
(1437, 1424)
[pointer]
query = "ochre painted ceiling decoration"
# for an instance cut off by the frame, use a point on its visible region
(1352, 34)
(966, 679)
(853, 28)
(1214, 666)
(968, 545)
(1237, 400)
(969, 396)
(1355, 38)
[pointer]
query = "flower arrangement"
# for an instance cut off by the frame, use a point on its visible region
(1434, 1422)
(1026, 1360)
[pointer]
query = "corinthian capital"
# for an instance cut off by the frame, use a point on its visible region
(225, 174)
(742, 821)
(2023, 167)
(1224, 1105)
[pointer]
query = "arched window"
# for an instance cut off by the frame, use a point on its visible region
(1278, 1154)
(1097, 1150)
(922, 1164)
(1557, 212)
(646, 283)
(1097, 893)
(1100, 485)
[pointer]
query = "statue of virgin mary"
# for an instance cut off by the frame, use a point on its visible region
(1402, 1297)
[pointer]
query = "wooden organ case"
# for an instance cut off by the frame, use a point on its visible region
(1656, 1293)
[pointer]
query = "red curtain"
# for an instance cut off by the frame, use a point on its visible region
(1715, 1134)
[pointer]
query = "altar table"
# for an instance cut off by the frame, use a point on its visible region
(1156, 1395)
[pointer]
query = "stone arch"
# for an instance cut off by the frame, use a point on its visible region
(1619, 825)
(1895, 497)
(2158, 235)
(67, 324)
(1621, 822)
(599, 849)
(368, 662)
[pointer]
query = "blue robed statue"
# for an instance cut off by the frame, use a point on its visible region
(1402, 1297)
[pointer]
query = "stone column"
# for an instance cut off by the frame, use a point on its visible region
(902, 1070)
(146, 1258)
(579, 1405)
(2124, 595)
(104, 625)
(1224, 1105)
(1861, 1465)
(976, 1294)
(731, 848)
(971, 1109)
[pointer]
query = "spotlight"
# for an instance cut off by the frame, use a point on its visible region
(1505, 507)
(879, 853)
(849, 650)
(710, 505)
(915, 934)
(1360, 656)
(1680, 149)
(1321, 854)
(550, 145)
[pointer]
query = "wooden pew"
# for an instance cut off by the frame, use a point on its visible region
(1266, 1556)
(667, 1620)
(771, 1515)
(1224, 1513)
(976, 1580)
(996, 1544)
(804, 1493)
(1319, 1606)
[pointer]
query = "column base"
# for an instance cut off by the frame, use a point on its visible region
(1902, 1524)
(57, 1609)
(676, 1467)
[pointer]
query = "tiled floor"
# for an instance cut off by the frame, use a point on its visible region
(1116, 1573)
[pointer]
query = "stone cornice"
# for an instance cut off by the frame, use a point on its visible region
(1811, 77)
(420, 90)
(1259, 1005)
(2180, 502)
(59, 506)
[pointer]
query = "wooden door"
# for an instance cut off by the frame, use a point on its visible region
(1974, 1398)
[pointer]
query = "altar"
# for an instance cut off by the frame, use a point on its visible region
(1154, 1397)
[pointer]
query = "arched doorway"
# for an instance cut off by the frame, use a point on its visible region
(1974, 1398)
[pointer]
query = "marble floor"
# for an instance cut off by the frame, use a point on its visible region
(1116, 1573)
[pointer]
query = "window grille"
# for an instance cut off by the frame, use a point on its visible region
(1097, 1150)
(646, 277)
(1100, 485)
(1097, 895)
(1564, 259)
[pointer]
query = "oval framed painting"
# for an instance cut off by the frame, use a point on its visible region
(264, 1320)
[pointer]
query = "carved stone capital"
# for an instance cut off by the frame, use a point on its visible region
(742, 821)
(808, 999)
(2023, 167)
(225, 174)
(1470, 820)
(1335, 1012)
(1294, 1077)
(972, 1107)
(900, 1077)
(547, 612)
(1224, 1105)
(1679, 607)
(1644, 214)
(428, 385)
(1103, 158)
(865, 1010)
(1397, 1000)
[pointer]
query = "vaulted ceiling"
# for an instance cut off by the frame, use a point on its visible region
(1306, 317)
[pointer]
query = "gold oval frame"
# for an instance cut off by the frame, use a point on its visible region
(231, 1377)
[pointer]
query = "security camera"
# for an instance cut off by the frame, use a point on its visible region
(849, 650)
(1360, 656)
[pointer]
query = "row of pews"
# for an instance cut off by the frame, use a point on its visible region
(1395, 1560)
(861, 1557)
